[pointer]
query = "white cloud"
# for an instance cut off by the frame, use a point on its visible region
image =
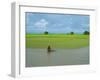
(41, 23)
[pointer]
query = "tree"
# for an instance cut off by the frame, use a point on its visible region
(45, 32)
(71, 33)
(86, 33)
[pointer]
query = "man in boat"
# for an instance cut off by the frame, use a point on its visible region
(49, 48)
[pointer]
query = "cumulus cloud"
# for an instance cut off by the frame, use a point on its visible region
(41, 23)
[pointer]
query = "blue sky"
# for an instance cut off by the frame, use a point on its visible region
(56, 23)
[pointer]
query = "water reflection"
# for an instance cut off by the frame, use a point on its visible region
(50, 52)
(43, 57)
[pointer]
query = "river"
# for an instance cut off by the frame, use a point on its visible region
(40, 57)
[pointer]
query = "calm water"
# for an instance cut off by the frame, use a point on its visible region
(40, 57)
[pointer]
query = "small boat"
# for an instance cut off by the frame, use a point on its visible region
(49, 49)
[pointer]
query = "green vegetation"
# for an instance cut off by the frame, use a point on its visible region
(71, 33)
(86, 33)
(45, 32)
(57, 40)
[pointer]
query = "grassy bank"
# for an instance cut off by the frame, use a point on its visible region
(56, 40)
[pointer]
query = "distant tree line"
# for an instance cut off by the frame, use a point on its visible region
(85, 33)
(46, 32)
(72, 33)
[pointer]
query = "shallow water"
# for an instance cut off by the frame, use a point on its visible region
(40, 57)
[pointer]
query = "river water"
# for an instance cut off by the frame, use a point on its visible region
(40, 57)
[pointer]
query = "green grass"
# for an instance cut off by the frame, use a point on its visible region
(56, 40)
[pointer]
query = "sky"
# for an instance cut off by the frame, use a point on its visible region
(37, 23)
